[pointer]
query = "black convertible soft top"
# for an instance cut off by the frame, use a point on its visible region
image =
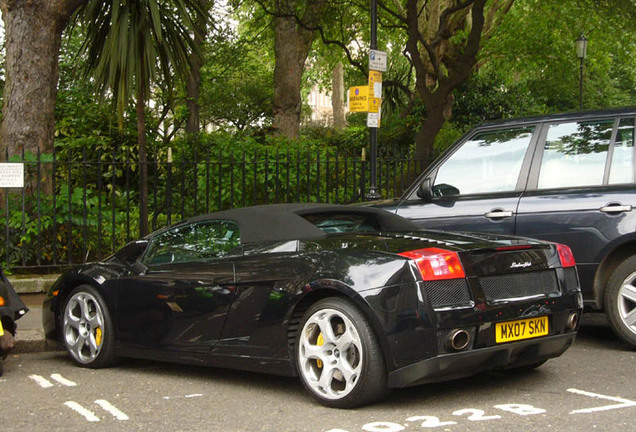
(282, 222)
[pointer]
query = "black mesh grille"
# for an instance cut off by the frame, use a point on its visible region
(447, 293)
(510, 286)
(571, 282)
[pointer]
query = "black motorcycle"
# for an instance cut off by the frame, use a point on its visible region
(11, 309)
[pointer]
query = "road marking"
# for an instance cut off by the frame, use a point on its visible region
(186, 396)
(88, 415)
(107, 406)
(41, 381)
(622, 403)
(60, 379)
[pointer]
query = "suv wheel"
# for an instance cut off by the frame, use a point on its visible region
(620, 300)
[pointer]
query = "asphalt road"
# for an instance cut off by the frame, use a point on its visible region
(591, 387)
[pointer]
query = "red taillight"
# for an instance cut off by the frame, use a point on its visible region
(565, 255)
(436, 263)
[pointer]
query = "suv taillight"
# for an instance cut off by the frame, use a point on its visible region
(565, 255)
(436, 263)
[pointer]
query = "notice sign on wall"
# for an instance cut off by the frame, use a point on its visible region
(11, 175)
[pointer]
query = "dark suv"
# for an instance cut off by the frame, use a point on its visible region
(567, 178)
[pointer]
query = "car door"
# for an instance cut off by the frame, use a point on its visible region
(267, 278)
(477, 186)
(581, 189)
(179, 303)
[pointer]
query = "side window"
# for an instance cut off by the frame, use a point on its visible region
(622, 168)
(489, 162)
(194, 242)
(575, 154)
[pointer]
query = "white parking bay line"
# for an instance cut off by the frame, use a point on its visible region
(41, 381)
(111, 409)
(88, 415)
(60, 379)
(622, 403)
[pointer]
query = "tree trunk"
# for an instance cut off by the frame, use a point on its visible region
(425, 138)
(143, 165)
(337, 98)
(292, 42)
(193, 83)
(288, 71)
(441, 60)
(33, 31)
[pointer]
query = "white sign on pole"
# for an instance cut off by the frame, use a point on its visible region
(373, 119)
(11, 175)
(377, 90)
(377, 60)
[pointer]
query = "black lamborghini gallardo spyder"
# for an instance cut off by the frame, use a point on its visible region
(355, 301)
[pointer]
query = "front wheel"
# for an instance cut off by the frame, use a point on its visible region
(620, 300)
(87, 329)
(338, 356)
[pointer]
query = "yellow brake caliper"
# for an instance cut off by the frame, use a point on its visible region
(98, 336)
(320, 342)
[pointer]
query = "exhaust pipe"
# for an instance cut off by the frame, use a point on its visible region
(457, 340)
(572, 322)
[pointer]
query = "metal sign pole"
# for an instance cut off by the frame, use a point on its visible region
(373, 194)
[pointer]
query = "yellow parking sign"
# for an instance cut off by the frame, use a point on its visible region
(374, 105)
(375, 84)
(358, 99)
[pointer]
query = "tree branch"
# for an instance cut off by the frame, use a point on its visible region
(444, 18)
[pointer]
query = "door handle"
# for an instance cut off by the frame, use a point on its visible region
(499, 213)
(616, 208)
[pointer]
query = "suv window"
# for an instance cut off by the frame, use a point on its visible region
(622, 168)
(488, 162)
(194, 242)
(575, 154)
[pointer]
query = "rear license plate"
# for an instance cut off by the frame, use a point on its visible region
(522, 329)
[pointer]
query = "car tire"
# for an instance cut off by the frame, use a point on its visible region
(620, 300)
(338, 357)
(87, 328)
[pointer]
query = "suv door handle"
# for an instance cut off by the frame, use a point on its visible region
(499, 213)
(616, 208)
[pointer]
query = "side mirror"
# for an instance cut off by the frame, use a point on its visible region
(425, 191)
(139, 268)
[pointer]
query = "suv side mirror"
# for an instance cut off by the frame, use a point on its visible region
(425, 191)
(139, 268)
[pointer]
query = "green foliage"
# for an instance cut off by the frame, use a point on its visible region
(534, 48)
(127, 41)
(486, 97)
(239, 93)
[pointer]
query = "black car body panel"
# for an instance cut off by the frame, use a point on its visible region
(243, 308)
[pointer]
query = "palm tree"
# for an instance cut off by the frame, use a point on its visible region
(128, 44)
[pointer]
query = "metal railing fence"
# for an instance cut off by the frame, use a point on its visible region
(84, 208)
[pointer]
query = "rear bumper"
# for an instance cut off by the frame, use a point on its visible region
(451, 366)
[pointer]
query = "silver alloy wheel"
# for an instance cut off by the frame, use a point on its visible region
(626, 300)
(83, 327)
(330, 354)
